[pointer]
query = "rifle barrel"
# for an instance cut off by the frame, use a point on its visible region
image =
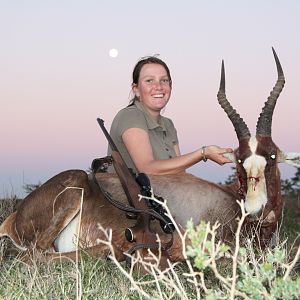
(107, 135)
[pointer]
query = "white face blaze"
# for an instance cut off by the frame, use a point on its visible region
(254, 166)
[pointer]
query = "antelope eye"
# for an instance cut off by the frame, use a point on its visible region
(273, 156)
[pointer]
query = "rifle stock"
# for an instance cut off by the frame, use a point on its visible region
(131, 188)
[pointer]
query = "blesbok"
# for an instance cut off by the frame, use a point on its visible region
(49, 217)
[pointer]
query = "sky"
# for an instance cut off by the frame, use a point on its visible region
(56, 76)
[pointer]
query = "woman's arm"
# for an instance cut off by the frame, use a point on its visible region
(177, 150)
(138, 145)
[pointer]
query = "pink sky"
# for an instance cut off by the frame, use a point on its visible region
(56, 76)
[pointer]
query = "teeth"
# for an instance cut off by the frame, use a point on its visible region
(158, 96)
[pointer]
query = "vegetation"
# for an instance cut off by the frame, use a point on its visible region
(28, 188)
(212, 271)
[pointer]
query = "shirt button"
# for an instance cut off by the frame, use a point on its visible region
(170, 156)
(167, 149)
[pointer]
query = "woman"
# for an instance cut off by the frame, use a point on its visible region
(147, 140)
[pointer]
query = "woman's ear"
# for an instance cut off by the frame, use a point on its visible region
(135, 90)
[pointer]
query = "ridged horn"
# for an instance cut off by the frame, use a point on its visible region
(239, 125)
(264, 122)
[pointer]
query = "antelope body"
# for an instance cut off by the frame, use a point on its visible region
(71, 204)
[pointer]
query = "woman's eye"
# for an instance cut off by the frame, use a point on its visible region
(239, 161)
(149, 80)
(165, 81)
(273, 156)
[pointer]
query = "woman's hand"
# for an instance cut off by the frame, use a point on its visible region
(215, 153)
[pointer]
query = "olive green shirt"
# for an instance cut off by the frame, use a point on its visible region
(162, 134)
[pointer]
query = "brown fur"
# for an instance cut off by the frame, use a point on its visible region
(46, 212)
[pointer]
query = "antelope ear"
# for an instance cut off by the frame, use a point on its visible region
(291, 158)
(230, 156)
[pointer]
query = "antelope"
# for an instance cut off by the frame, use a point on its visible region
(71, 203)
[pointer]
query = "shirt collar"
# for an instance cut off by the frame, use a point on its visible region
(152, 124)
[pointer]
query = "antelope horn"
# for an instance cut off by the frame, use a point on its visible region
(239, 125)
(264, 122)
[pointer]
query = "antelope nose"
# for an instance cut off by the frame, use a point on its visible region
(256, 216)
(259, 213)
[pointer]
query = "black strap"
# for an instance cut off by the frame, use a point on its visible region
(131, 209)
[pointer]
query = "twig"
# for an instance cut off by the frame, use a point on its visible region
(237, 248)
(292, 264)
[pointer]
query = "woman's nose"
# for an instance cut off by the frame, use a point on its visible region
(157, 85)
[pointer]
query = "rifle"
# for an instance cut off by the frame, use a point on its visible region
(129, 185)
(141, 232)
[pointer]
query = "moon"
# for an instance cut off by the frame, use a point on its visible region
(113, 52)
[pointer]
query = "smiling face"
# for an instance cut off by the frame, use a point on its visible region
(153, 88)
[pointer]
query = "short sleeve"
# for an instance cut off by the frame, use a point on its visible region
(128, 118)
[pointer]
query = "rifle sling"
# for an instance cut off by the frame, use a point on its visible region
(131, 209)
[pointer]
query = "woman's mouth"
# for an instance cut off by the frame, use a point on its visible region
(158, 96)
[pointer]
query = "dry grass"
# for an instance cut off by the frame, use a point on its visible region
(101, 279)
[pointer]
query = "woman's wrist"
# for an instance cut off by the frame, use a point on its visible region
(204, 158)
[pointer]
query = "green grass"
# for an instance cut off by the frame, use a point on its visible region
(291, 220)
